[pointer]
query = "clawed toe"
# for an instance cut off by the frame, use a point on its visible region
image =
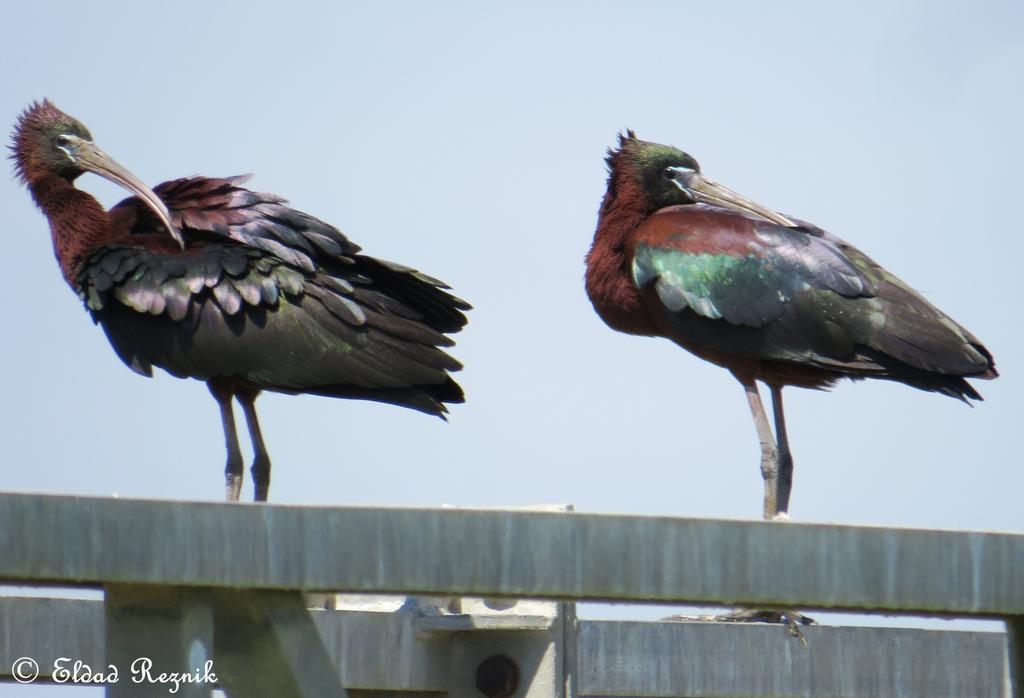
(791, 619)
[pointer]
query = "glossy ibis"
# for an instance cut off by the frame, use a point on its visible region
(209, 280)
(767, 296)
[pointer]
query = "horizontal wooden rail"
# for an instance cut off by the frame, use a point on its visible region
(614, 658)
(96, 541)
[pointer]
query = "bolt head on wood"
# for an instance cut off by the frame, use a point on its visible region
(497, 677)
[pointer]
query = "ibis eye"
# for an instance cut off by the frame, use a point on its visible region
(63, 140)
(668, 173)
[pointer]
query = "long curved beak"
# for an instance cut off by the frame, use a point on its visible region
(707, 191)
(94, 160)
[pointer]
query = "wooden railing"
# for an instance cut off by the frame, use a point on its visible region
(192, 585)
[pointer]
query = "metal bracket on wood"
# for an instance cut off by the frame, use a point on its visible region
(492, 649)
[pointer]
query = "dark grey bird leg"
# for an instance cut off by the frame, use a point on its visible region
(233, 469)
(261, 459)
(785, 456)
(769, 451)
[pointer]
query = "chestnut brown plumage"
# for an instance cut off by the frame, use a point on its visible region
(764, 295)
(209, 280)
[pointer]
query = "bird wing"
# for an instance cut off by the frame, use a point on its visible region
(219, 207)
(793, 294)
(729, 267)
(271, 297)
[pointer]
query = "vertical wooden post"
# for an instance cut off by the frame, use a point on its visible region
(153, 633)
(267, 646)
(1015, 656)
(258, 644)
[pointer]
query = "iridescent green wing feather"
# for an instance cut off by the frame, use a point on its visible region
(800, 295)
(752, 285)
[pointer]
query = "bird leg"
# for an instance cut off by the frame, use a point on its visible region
(261, 459)
(785, 477)
(777, 470)
(769, 451)
(233, 469)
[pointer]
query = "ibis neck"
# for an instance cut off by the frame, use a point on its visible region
(77, 221)
(609, 280)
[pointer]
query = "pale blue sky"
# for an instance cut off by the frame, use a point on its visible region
(468, 140)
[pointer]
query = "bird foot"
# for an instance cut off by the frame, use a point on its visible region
(791, 619)
(233, 487)
(781, 516)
